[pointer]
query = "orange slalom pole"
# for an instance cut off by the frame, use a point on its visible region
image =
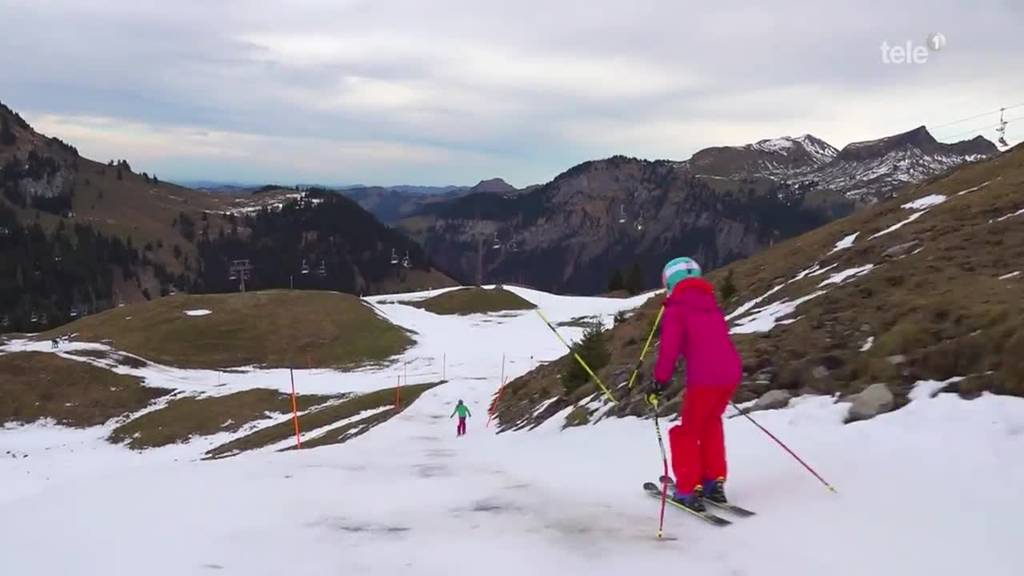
(494, 405)
(295, 411)
(398, 392)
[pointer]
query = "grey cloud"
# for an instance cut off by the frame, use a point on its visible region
(194, 64)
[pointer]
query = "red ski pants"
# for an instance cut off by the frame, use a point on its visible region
(698, 442)
(462, 426)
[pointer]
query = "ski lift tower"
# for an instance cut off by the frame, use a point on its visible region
(240, 270)
(1001, 130)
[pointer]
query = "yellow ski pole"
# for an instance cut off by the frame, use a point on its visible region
(582, 362)
(647, 345)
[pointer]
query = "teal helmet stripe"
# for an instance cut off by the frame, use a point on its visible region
(678, 270)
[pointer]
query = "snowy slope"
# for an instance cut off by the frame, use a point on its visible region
(409, 497)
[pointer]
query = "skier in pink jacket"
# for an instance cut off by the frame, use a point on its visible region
(694, 327)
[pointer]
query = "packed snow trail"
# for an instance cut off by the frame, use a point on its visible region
(410, 497)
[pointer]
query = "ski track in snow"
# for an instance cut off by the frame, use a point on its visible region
(410, 497)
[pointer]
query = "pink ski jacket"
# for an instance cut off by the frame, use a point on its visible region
(694, 327)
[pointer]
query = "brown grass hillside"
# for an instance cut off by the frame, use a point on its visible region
(474, 300)
(940, 302)
(275, 328)
(38, 386)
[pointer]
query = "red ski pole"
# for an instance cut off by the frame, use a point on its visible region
(664, 477)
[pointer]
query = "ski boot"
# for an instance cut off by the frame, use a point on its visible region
(714, 490)
(692, 500)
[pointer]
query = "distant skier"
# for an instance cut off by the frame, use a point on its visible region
(463, 411)
(694, 327)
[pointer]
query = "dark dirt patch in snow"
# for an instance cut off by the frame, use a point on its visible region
(356, 527)
(432, 470)
(494, 506)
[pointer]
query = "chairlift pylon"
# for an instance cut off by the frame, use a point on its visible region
(1001, 130)
(497, 243)
(394, 256)
(622, 213)
(406, 262)
(305, 267)
(322, 270)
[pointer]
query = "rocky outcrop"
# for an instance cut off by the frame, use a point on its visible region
(874, 400)
(604, 216)
(772, 400)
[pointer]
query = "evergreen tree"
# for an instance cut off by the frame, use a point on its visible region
(616, 282)
(635, 279)
(7, 137)
(593, 348)
(728, 289)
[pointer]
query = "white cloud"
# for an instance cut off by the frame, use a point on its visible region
(520, 90)
(108, 138)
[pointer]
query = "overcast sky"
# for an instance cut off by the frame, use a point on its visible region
(452, 92)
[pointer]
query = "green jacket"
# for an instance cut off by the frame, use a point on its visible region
(462, 410)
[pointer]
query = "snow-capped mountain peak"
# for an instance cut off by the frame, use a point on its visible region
(866, 170)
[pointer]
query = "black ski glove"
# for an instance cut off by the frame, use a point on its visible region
(655, 390)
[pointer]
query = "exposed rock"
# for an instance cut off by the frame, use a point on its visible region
(874, 400)
(772, 400)
(901, 250)
(897, 359)
(820, 372)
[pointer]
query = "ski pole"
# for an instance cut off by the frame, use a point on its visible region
(664, 463)
(582, 362)
(784, 447)
(647, 345)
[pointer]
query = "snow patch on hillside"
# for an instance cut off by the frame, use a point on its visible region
(845, 243)
(1008, 216)
(899, 224)
(925, 202)
(868, 344)
(840, 277)
(765, 319)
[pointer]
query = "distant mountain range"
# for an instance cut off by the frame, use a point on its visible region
(722, 204)
(862, 171)
(393, 203)
(592, 222)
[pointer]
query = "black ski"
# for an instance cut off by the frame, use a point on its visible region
(728, 506)
(655, 491)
